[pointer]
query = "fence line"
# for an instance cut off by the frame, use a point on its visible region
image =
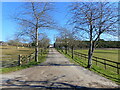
(105, 62)
(21, 59)
(24, 59)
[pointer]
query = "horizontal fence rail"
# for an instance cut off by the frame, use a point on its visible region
(8, 63)
(17, 60)
(8, 60)
(24, 59)
(103, 61)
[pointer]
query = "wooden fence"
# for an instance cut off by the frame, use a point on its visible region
(104, 62)
(8, 60)
(17, 60)
(24, 59)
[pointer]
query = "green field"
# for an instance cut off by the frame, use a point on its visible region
(11, 52)
(111, 55)
(30, 64)
(109, 72)
(106, 54)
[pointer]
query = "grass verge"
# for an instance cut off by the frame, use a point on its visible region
(105, 73)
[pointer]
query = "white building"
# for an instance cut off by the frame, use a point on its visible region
(51, 46)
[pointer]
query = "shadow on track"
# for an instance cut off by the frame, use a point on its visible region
(36, 85)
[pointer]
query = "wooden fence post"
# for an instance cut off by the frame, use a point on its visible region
(72, 53)
(80, 55)
(118, 68)
(84, 57)
(29, 57)
(105, 63)
(96, 60)
(19, 60)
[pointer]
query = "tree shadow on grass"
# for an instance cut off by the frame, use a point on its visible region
(117, 79)
(107, 76)
(36, 85)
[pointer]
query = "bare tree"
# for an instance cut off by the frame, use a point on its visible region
(64, 38)
(44, 41)
(58, 43)
(92, 19)
(73, 40)
(68, 38)
(36, 16)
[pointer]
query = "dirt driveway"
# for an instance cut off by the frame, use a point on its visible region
(55, 72)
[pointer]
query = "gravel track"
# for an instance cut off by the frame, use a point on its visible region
(55, 72)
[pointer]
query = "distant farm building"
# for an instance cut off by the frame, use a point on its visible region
(51, 46)
(3, 43)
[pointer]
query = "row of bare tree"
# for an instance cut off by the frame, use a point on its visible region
(94, 19)
(88, 20)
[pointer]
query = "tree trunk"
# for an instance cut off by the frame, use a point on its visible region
(36, 46)
(72, 52)
(61, 49)
(90, 57)
(91, 50)
(41, 52)
(90, 47)
(65, 49)
(90, 54)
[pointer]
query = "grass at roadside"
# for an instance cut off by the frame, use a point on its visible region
(106, 73)
(30, 64)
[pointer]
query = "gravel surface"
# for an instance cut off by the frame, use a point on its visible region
(55, 72)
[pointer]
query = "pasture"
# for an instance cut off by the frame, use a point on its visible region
(103, 53)
(98, 65)
(9, 58)
(11, 52)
